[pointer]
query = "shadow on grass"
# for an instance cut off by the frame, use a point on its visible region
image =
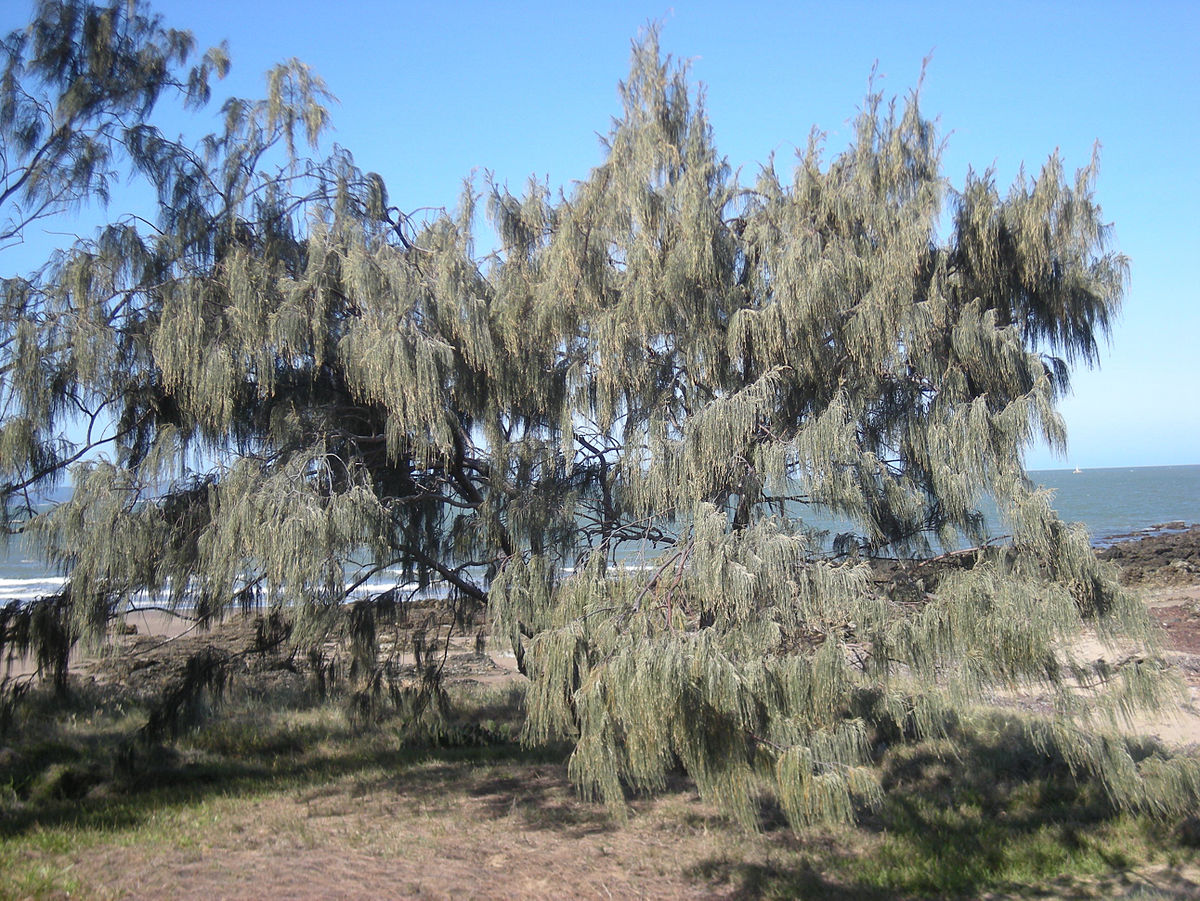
(799, 881)
(995, 814)
(82, 771)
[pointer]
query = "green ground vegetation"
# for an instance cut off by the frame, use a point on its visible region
(981, 811)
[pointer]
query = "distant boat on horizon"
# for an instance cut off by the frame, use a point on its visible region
(1078, 471)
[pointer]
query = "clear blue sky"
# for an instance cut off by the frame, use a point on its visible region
(427, 95)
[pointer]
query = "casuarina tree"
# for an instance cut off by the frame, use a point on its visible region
(710, 455)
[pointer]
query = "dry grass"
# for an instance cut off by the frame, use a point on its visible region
(285, 800)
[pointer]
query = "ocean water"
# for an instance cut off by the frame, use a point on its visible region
(1114, 504)
(1123, 501)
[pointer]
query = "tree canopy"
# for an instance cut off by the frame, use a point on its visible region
(621, 431)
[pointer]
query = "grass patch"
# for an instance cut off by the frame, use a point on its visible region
(284, 780)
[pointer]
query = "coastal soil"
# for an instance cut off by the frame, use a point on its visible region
(1165, 569)
(518, 830)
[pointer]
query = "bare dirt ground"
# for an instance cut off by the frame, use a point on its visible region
(1165, 569)
(442, 834)
(517, 830)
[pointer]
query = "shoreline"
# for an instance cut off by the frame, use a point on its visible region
(1162, 562)
(1098, 543)
(1174, 527)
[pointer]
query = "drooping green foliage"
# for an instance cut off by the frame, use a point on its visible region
(74, 86)
(621, 432)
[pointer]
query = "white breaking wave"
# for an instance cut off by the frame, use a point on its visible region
(28, 589)
(32, 588)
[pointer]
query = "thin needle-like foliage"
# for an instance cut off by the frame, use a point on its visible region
(622, 432)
